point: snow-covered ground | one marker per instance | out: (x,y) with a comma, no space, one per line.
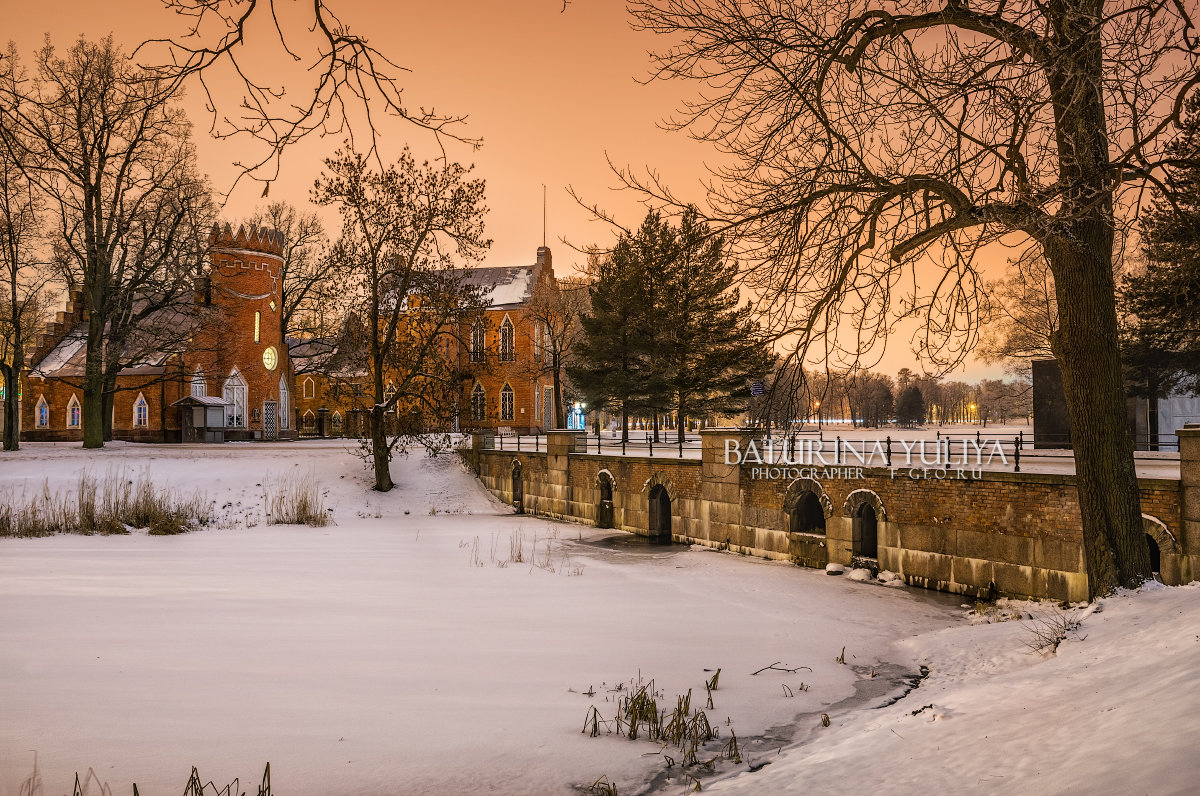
(404,651)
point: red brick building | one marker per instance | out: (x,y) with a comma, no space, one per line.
(235,352)
(504,392)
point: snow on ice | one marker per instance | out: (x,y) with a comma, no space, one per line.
(406,650)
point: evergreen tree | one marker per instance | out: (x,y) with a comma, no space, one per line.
(609,361)
(708,349)
(1161,343)
(910,406)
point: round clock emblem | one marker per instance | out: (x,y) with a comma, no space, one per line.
(270,358)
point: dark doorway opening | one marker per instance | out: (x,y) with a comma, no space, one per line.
(1155,555)
(660,513)
(604,512)
(866,532)
(518,488)
(808,516)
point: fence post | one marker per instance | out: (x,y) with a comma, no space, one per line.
(837,450)
(1016,456)
(889,450)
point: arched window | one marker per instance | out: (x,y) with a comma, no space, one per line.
(478,403)
(73,413)
(141,412)
(234,393)
(43,412)
(389,392)
(285,403)
(337,422)
(310,420)
(310,388)
(199,385)
(508,352)
(478,342)
(506,403)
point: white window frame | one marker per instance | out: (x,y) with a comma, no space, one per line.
(73,407)
(508,347)
(234,393)
(141,407)
(41,414)
(478,342)
(478,407)
(507,402)
(285,401)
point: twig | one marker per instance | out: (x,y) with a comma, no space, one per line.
(778,668)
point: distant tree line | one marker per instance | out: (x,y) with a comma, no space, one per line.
(868,399)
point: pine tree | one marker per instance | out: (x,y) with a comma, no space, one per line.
(1161,343)
(709,348)
(609,361)
(910,406)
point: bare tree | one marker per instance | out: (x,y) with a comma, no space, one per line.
(553,312)
(310,300)
(346,84)
(107,146)
(875,148)
(1023,316)
(21,271)
(400,229)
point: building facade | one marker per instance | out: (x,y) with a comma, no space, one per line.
(233,350)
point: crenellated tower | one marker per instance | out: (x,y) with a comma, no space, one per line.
(244,356)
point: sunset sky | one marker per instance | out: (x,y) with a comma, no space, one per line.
(553,95)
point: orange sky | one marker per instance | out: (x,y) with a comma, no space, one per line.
(550,93)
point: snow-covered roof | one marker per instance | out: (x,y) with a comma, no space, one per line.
(504,286)
(201,400)
(68,352)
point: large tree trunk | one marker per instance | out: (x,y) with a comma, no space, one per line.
(110,397)
(12,391)
(559,420)
(379,451)
(1080,252)
(93,384)
(1085,345)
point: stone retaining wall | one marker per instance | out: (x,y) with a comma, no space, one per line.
(1012,534)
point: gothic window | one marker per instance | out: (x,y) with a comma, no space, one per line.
(478,403)
(310,421)
(285,403)
(508,353)
(141,412)
(234,393)
(73,413)
(337,422)
(310,388)
(199,385)
(478,341)
(506,403)
(389,392)
(43,413)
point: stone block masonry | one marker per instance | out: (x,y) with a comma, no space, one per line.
(998,534)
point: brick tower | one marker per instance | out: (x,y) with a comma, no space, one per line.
(244,357)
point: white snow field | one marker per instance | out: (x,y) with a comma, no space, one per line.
(407,653)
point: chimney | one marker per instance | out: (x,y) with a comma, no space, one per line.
(543,257)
